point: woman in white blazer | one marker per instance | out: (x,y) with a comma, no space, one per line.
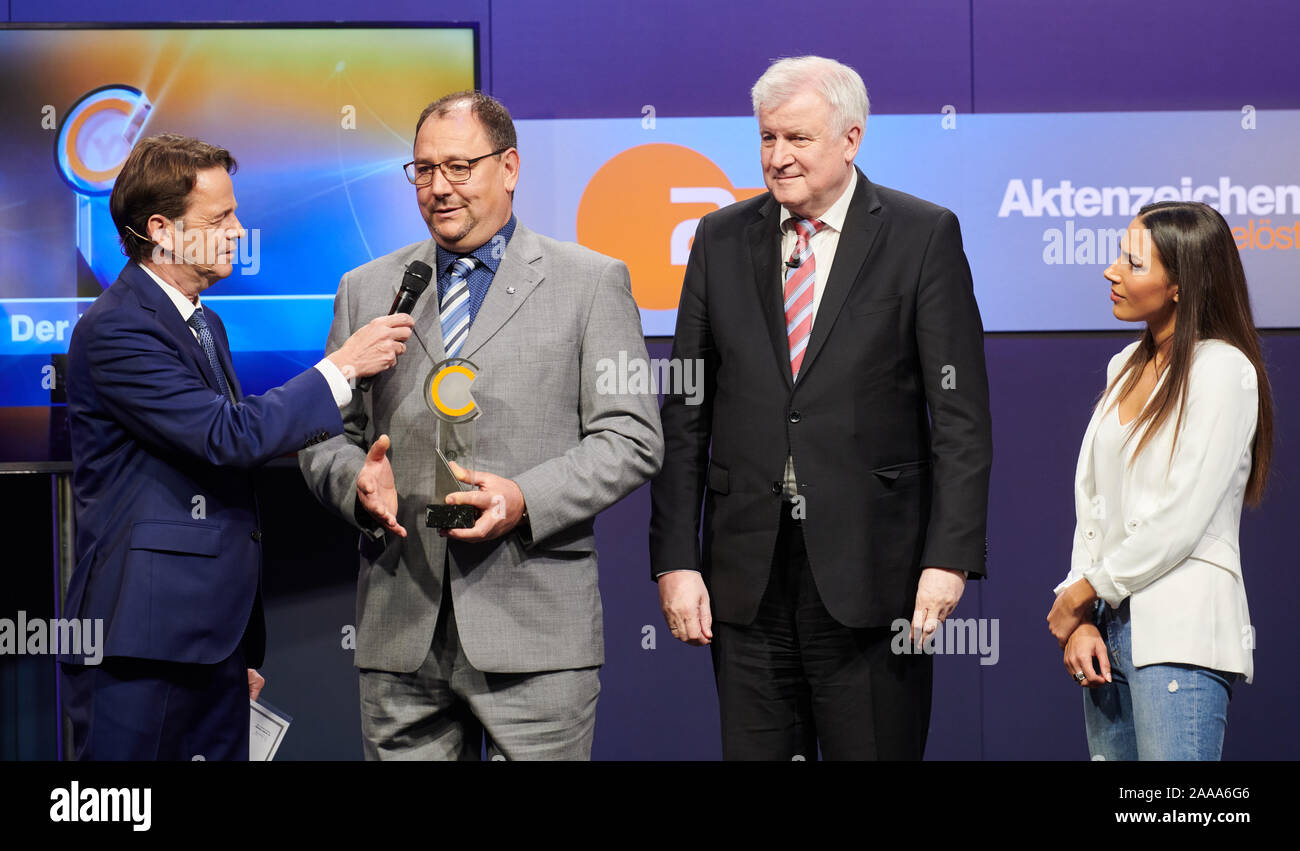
(1153,616)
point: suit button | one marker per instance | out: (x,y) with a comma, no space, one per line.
(1089,533)
(256,535)
(776,488)
(451,455)
(795,416)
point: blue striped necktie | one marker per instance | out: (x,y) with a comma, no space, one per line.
(454,309)
(199,323)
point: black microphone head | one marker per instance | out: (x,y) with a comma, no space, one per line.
(417,277)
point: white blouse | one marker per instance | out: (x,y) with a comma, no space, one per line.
(1166,536)
(1112,449)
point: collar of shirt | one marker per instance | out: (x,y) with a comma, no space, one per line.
(489,253)
(834,217)
(183,304)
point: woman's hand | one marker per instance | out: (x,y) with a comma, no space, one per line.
(1084,645)
(1070,610)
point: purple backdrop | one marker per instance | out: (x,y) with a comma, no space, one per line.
(589,59)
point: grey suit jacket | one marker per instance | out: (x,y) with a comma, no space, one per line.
(523,602)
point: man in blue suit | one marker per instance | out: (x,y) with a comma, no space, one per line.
(164,444)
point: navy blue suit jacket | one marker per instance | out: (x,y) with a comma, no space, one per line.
(168,545)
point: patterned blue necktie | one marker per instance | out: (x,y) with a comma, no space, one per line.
(200,324)
(454,310)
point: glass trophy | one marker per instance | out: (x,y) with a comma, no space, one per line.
(447,393)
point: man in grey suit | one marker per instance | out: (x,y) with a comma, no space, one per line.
(493,631)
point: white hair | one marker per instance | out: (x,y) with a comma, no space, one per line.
(840,86)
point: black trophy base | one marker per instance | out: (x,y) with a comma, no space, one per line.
(451,516)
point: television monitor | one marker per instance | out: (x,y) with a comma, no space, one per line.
(319,117)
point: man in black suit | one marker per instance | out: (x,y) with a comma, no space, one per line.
(842,447)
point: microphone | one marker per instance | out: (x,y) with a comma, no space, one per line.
(414,282)
(143,238)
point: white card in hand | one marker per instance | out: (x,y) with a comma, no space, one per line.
(266,728)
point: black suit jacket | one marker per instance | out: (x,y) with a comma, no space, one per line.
(888,423)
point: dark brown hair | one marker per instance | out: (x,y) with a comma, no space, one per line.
(1200,256)
(157,179)
(489,111)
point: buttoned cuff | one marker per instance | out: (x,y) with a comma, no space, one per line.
(1106,588)
(339,386)
(1066,583)
(677,570)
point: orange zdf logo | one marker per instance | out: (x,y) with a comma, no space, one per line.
(642,207)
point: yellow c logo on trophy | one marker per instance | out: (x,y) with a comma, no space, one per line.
(447,391)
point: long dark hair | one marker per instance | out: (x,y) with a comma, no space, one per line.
(1200,256)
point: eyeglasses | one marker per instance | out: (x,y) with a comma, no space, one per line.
(456,171)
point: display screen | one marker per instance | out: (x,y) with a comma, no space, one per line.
(1042,198)
(320,120)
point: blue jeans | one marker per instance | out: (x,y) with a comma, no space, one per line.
(1164,711)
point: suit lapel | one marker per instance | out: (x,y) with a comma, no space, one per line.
(763,235)
(428,329)
(519,271)
(153,299)
(861,225)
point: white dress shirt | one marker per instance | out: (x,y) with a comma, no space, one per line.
(1178,559)
(339,387)
(823,243)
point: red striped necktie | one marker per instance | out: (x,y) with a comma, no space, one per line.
(800,278)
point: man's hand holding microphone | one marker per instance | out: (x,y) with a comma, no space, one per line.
(375,346)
